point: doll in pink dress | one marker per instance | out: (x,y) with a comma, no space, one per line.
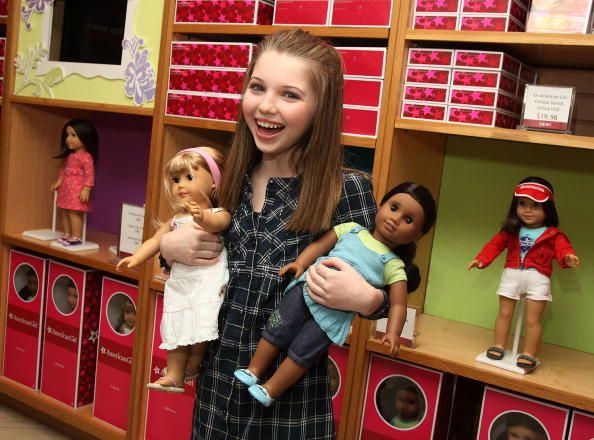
(80,145)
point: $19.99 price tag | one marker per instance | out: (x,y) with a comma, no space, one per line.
(547,108)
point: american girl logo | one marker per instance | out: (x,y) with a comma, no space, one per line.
(115,355)
(23,320)
(107,352)
(27,322)
(70,338)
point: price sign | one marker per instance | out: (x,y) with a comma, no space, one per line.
(131,229)
(548,108)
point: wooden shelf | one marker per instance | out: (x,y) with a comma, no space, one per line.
(91,106)
(243,29)
(79,418)
(101,259)
(551,50)
(3,20)
(565,376)
(532,137)
(157,283)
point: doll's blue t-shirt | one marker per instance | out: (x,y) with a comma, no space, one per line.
(528,237)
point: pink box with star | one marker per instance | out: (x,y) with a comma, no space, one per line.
(211,54)
(481,116)
(224,11)
(528,74)
(24,317)
(486,60)
(422,75)
(490,23)
(441,21)
(70,334)
(355,13)
(114,354)
(485,98)
(206,80)
(1,67)
(437,6)
(582,426)
(496,80)
(431,57)
(213,106)
(431,94)
(168,415)
(363,61)
(2,46)
(3,8)
(429,112)
(511,8)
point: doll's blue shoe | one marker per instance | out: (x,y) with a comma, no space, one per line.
(246,376)
(261,395)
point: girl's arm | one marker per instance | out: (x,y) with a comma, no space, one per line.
(147,250)
(214,222)
(396,317)
(310,254)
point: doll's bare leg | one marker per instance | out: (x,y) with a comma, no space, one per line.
(534,310)
(265,353)
(503,321)
(287,374)
(195,359)
(76,222)
(176,366)
(65,218)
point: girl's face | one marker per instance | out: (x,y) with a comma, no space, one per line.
(521,433)
(72,140)
(407,404)
(279,103)
(399,221)
(72,297)
(196,187)
(530,213)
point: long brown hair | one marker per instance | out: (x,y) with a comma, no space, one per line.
(321,158)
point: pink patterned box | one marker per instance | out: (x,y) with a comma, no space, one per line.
(437,5)
(1,67)
(420,75)
(521,89)
(202,80)
(203,54)
(70,334)
(490,23)
(430,57)
(511,7)
(2,46)
(362,91)
(527,74)
(1,87)
(217,107)
(485,60)
(432,94)
(366,13)
(24,318)
(582,426)
(485,98)
(484,79)
(3,8)
(435,21)
(360,121)
(481,116)
(114,356)
(168,415)
(414,110)
(224,11)
(363,61)
(302,12)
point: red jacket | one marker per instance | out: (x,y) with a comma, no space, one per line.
(552,243)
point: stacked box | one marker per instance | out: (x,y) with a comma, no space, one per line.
(473,87)
(70,334)
(355,13)
(224,11)
(471,15)
(206,79)
(3,8)
(2,50)
(582,426)
(363,83)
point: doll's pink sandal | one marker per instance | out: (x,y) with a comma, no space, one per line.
(171,388)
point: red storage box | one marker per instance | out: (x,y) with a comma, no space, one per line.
(224,11)
(432,94)
(481,116)
(206,80)
(430,112)
(209,54)
(486,60)
(3,8)
(360,121)
(362,91)
(70,334)
(484,79)
(437,5)
(490,23)
(582,426)
(422,75)
(24,318)
(204,106)
(435,21)
(365,13)
(485,98)
(363,61)
(430,57)
(302,12)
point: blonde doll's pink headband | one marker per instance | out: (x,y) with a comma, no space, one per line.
(212,165)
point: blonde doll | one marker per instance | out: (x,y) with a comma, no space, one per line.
(127,321)
(193,295)
(80,145)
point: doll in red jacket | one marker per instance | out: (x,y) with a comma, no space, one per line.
(532,239)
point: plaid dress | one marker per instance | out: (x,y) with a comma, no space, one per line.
(258,246)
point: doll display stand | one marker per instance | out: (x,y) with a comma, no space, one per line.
(84,246)
(46,234)
(510,358)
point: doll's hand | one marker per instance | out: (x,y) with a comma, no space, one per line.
(85,193)
(56,185)
(294,267)
(393,341)
(572,260)
(128,262)
(194,210)
(475,263)
(191,245)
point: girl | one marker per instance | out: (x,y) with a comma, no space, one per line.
(285,150)
(532,239)
(128,318)
(384,256)
(193,295)
(80,146)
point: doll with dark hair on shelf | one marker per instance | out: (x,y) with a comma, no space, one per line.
(71,297)
(532,239)
(407,404)
(521,426)
(29,290)
(79,146)
(383,256)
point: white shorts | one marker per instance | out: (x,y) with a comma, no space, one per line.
(515,282)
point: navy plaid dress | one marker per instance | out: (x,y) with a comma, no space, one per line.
(258,246)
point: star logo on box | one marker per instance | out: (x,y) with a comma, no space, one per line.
(103,350)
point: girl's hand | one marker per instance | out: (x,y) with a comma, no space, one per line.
(335,284)
(85,193)
(475,263)
(393,341)
(571,260)
(56,185)
(191,245)
(294,267)
(128,262)
(194,210)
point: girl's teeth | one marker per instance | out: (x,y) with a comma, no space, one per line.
(268,125)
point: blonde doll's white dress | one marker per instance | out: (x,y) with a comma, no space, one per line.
(192,299)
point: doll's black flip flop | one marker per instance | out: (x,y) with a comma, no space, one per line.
(529,363)
(495,353)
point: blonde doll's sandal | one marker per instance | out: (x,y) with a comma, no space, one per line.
(171,388)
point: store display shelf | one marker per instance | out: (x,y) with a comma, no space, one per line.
(101,259)
(157,282)
(90,106)
(556,50)
(532,137)
(565,376)
(242,29)
(80,418)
